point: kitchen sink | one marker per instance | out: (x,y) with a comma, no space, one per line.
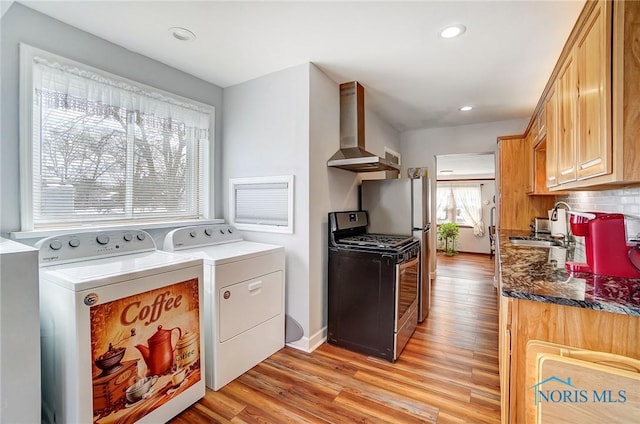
(534,242)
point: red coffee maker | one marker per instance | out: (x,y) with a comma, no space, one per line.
(605,242)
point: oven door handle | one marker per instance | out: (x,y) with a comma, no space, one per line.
(406,264)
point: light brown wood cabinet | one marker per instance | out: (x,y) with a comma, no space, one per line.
(551,150)
(504,352)
(592,102)
(515,205)
(540,169)
(593,141)
(524,320)
(541,121)
(567,87)
(593,373)
(530,165)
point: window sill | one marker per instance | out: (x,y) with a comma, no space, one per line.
(23,235)
(459,225)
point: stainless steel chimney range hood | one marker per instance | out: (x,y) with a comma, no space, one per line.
(352,155)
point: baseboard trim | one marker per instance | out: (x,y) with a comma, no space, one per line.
(309,344)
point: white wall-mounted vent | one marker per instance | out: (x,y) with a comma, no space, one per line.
(262,203)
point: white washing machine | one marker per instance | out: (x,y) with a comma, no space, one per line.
(120,326)
(244,297)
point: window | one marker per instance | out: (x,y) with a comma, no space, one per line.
(460,203)
(262,203)
(97,149)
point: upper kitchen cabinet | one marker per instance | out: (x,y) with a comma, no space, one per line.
(594,106)
(515,204)
(592,102)
(567,101)
(530,142)
(551,157)
(541,124)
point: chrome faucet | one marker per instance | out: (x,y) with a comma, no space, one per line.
(567,237)
(554,212)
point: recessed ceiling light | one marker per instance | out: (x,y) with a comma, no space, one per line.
(182,34)
(447,171)
(465,108)
(453,31)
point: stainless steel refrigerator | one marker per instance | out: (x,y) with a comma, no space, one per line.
(401,206)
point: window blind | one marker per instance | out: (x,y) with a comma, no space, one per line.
(262,203)
(108,149)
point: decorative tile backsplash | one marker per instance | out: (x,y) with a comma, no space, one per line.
(625,201)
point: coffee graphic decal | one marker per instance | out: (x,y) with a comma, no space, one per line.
(145,350)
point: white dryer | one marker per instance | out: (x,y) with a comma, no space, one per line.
(120,329)
(244,297)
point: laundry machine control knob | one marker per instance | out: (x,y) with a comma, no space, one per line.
(127,237)
(193,233)
(208,231)
(141,236)
(74,242)
(102,239)
(55,245)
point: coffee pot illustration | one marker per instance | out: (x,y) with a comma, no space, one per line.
(159,354)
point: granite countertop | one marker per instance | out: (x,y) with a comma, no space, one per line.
(539,274)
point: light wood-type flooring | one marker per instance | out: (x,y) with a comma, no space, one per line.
(448,372)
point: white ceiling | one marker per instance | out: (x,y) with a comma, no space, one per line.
(466,166)
(413,78)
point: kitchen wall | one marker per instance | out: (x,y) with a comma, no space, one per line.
(419,147)
(23,25)
(287,123)
(626,201)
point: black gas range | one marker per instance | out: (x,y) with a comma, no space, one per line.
(373,287)
(348,230)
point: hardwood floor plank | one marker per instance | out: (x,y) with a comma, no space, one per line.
(447,373)
(384,414)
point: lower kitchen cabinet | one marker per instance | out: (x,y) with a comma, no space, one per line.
(604,386)
(522,321)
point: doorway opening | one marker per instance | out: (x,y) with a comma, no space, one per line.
(465,195)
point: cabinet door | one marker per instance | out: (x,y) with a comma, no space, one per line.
(504,334)
(567,87)
(541,120)
(551,108)
(530,162)
(594,140)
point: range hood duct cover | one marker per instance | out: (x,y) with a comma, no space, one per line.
(352,155)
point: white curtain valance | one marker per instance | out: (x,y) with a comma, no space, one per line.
(102,89)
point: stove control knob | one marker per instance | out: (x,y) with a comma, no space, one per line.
(74,242)
(141,236)
(55,245)
(127,237)
(193,233)
(230,231)
(208,231)
(221,231)
(102,239)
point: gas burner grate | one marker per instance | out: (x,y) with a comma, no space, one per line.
(376,240)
